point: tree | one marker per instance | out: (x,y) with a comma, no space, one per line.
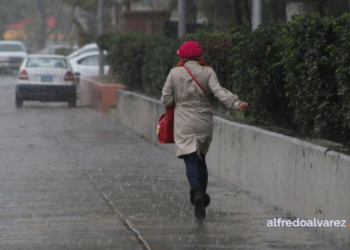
(36,13)
(41,10)
(225,14)
(85,18)
(12,12)
(42,7)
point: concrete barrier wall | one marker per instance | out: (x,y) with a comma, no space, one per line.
(99,96)
(301,178)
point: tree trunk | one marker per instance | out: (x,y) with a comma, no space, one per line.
(215,21)
(128,4)
(238,13)
(191,12)
(278,10)
(58,23)
(322,7)
(247,7)
(2,30)
(42,32)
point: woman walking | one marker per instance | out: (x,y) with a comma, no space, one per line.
(187,88)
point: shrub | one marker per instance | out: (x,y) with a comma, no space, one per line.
(295,76)
(63,51)
(310,74)
(159,58)
(106,41)
(341,55)
(259,74)
(126,55)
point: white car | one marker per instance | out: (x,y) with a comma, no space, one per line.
(45,78)
(87,64)
(92,47)
(12,54)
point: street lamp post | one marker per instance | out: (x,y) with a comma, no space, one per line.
(182,18)
(100,32)
(256,13)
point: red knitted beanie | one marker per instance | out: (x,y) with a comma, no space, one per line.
(190,50)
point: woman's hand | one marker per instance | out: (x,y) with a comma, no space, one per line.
(243,105)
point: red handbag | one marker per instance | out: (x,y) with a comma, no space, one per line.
(165,127)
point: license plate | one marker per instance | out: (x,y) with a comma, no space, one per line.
(46,78)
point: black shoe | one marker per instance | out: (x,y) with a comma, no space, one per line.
(197,199)
(199,210)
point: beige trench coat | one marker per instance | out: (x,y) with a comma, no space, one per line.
(193,124)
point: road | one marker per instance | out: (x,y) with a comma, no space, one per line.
(76,179)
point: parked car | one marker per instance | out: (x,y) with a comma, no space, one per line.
(12,54)
(92,47)
(87,64)
(45,78)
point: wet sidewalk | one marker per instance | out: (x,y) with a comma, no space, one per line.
(75,179)
(148,187)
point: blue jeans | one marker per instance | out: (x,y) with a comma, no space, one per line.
(196,171)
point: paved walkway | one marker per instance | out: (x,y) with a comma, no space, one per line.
(75,179)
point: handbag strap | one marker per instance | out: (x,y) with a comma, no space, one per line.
(195,80)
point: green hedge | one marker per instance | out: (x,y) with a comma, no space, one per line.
(159,58)
(126,56)
(295,76)
(259,75)
(311,83)
(341,54)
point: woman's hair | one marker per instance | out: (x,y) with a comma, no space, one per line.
(200,61)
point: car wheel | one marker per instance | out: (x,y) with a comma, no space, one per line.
(19,101)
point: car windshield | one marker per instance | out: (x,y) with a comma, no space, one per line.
(11,48)
(46,62)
